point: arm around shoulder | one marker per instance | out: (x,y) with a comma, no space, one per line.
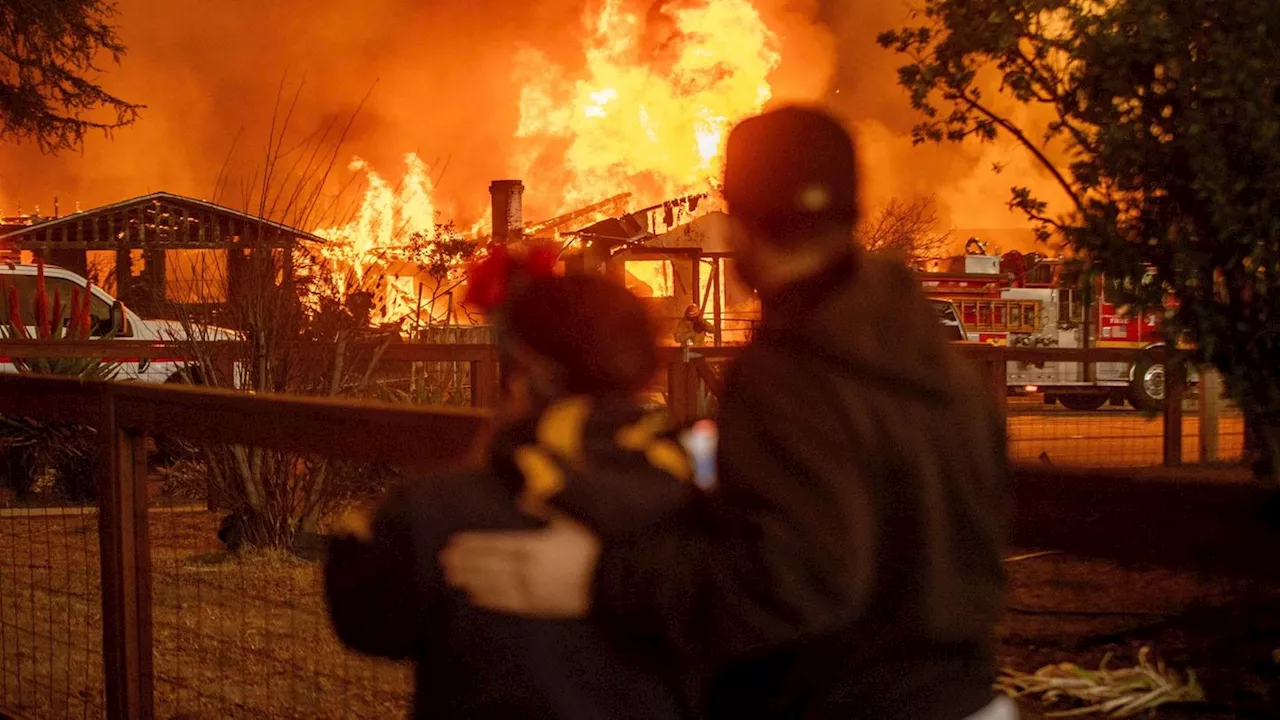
(782,550)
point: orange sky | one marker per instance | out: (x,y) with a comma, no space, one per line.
(208,69)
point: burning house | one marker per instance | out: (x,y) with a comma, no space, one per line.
(162,254)
(673,257)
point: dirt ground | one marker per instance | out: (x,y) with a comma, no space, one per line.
(1066,609)
(234,637)
(247,637)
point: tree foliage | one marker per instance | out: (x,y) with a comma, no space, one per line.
(906,228)
(49,54)
(1168,113)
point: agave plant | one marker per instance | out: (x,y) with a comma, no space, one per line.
(55,322)
(33,451)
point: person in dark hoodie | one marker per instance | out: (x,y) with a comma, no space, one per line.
(848,564)
(571,440)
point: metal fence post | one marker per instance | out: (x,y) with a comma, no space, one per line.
(126,570)
(1175,380)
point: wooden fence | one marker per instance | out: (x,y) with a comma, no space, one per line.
(1177,520)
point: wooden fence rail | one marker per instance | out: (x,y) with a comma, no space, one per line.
(1179,520)
(687,371)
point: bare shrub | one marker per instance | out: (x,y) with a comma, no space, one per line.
(907,229)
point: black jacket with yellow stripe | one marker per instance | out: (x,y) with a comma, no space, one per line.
(607,463)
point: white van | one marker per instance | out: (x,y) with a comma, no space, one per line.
(105,314)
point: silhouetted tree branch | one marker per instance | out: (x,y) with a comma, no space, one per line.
(48,55)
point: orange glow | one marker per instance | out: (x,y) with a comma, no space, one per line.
(648,115)
(651,111)
(649,278)
(388,216)
(377,251)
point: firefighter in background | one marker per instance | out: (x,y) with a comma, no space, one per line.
(692,328)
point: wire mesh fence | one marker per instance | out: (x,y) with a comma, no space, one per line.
(241,634)
(1107,432)
(1116,435)
(50,603)
(246,634)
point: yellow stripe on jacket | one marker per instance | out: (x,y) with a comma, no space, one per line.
(560,439)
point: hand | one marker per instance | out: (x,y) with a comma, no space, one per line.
(536,573)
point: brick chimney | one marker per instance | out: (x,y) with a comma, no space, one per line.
(508,215)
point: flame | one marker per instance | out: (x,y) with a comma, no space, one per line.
(388,216)
(649,278)
(386,246)
(651,112)
(649,115)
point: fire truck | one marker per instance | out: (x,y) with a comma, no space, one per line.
(1030,300)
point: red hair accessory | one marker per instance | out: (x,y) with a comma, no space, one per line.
(492,280)
(487,280)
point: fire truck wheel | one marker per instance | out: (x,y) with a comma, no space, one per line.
(1083,402)
(1146,391)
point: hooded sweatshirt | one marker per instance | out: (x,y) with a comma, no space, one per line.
(848,563)
(606,462)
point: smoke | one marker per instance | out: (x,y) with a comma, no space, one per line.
(972,180)
(209,71)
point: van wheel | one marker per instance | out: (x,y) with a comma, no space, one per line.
(1083,402)
(1146,390)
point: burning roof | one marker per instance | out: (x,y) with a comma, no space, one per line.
(161,217)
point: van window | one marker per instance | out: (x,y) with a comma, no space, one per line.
(99,310)
(947,318)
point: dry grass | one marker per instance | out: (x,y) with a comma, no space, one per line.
(1119,693)
(235,637)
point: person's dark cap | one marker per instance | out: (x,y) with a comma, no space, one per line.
(792,165)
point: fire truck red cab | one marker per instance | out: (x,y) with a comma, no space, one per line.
(1030,300)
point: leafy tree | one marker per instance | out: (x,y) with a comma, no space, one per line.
(443,256)
(49,50)
(1168,115)
(906,228)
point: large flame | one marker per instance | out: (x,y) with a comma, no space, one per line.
(381,228)
(386,247)
(648,115)
(652,109)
